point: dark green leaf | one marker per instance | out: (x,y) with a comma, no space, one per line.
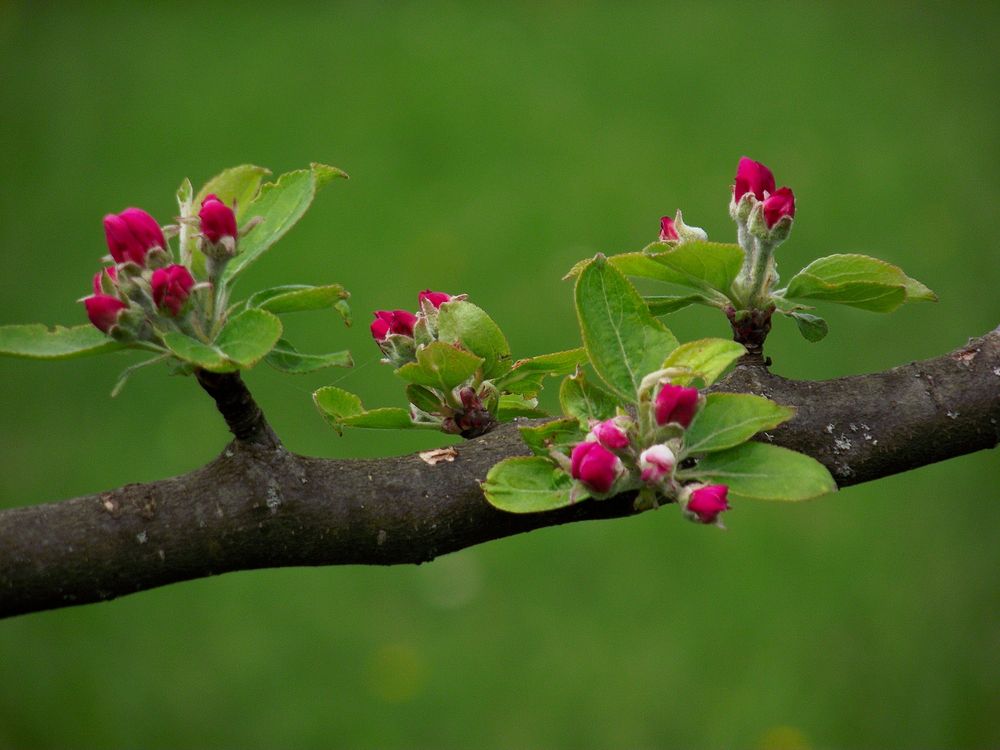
(586,401)
(529,485)
(663,304)
(728,419)
(513,405)
(197,353)
(36,341)
(858,281)
(526,375)
(440,365)
(812,327)
(423,398)
(249,336)
(464,323)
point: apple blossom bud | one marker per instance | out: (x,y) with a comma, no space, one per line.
(668,233)
(111,272)
(595,466)
(217,220)
(131,234)
(103,310)
(780,203)
(706,503)
(435,298)
(675,403)
(610,434)
(171,287)
(752,177)
(400,322)
(656,462)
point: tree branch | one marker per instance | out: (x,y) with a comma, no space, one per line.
(257,505)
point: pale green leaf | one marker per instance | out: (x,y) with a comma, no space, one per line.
(586,401)
(197,353)
(440,365)
(529,485)
(526,375)
(343,408)
(461,322)
(514,405)
(559,434)
(705,358)
(728,419)
(298,297)
(287,358)
(236,184)
(857,280)
(249,336)
(37,341)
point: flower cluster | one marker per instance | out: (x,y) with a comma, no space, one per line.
(145,293)
(630,452)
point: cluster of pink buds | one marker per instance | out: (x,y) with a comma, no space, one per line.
(758,204)
(396,331)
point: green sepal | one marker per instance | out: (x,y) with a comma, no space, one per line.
(706,359)
(440,365)
(37,341)
(728,419)
(463,323)
(530,485)
(559,434)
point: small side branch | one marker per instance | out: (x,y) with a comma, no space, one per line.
(236,404)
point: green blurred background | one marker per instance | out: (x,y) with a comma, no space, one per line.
(490,147)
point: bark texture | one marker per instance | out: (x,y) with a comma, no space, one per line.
(258,505)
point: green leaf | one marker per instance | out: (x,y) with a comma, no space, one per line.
(585,401)
(663,304)
(239,184)
(249,336)
(728,419)
(526,375)
(298,297)
(758,471)
(513,405)
(464,323)
(280,204)
(423,398)
(812,327)
(706,358)
(36,341)
(529,485)
(197,353)
(623,340)
(385,418)
(859,281)
(560,434)
(440,365)
(343,408)
(287,358)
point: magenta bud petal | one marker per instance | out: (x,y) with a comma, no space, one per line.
(656,462)
(131,234)
(752,177)
(379,329)
(112,273)
(675,403)
(595,466)
(780,203)
(435,298)
(103,310)
(706,503)
(217,220)
(400,322)
(610,434)
(171,287)
(668,233)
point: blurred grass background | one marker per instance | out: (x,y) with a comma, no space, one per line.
(490,147)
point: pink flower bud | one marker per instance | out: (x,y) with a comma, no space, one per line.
(752,177)
(171,288)
(435,298)
(400,322)
(706,503)
(667,231)
(778,204)
(610,434)
(675,403)
(656,462)
(595,466)
(103,310)
(112,273)
(217,220)
(131,234)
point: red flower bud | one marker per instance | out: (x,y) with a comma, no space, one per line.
(131,234)
(667,231)
(111,271)
(706,503)
(609,434)
(103,310)
(752,177)
(675,403)
(778,204)
(400,322)
(217,220)
(171,288)
(435,298)
(595,466)
(656,462)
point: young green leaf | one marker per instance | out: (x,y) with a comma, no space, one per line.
(526,375)
(561,434)
(343,408)
(514,405)
(812,327)
(758,471)
(864,295)
(440,365)
(529,485)
(280,204)
(298,297)
(586,401)
(623,340)
(705,358)
(197,353)
(239,184)
(36,341)
(464,323)
(663,304)
(128,372)
(859,281)
(728,419)
(423,398)
(249,336)
(287,358)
